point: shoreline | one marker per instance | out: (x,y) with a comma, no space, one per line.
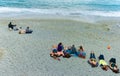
(80,17)
(105,21)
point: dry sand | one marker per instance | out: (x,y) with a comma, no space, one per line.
(28,54)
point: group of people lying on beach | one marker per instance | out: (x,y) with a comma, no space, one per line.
(103,64)
(71,51)
(21,31)
(66,52)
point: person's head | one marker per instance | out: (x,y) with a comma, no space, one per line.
(60,43)
(105,67)
(81,48)
(73,45)
(116,70)
(27,27)
(19,32)
(20,27)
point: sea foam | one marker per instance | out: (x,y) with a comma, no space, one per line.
(59,12)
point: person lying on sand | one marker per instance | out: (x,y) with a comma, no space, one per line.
(21,31)
(113,66)
(58,54)
(28,30)
(103,63)
(54,54)
(92,61)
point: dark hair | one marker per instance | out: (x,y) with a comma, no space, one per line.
(116,71)
(105,67)
(60,43)
(20,27)
(27,27)
(81,48)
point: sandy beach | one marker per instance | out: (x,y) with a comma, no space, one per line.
(28,54)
